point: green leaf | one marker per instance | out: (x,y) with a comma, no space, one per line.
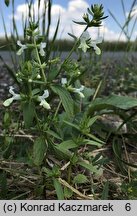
(112,102)
(66,99)
(97,141)
(69,144)
(65,146)
(80,23)
(92,121)
(90,12)
(80,179)
(9,141)
(73,36)
(35,91)
(53,73)
(88,92)
(55,135)
(68,193)
(39,149)
(7,119)
(28,113)
(89,167)
(105,191)
(62,152)
(7,2)
(95,138)
(58,188)
(72,125)
(39,82)
(92,142)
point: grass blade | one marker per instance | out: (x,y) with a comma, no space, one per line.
(44,18)
(53,40)
(15,30)
(49,20)
(105,191)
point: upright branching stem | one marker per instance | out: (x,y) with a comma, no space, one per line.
(71,51)
(57,110)
(39,61)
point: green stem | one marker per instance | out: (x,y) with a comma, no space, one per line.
(37,120)
(29,89)
(73,48)
(39,61)
(97,90)
(57,110)
(71,51)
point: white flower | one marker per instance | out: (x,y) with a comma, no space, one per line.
(42,100)
(86,42)
(23,47)
(14,97)
(75,90)
(38,76)
(30,80)
(79,91)
(42,46)
(63,81)
(93,43)
(83,41)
